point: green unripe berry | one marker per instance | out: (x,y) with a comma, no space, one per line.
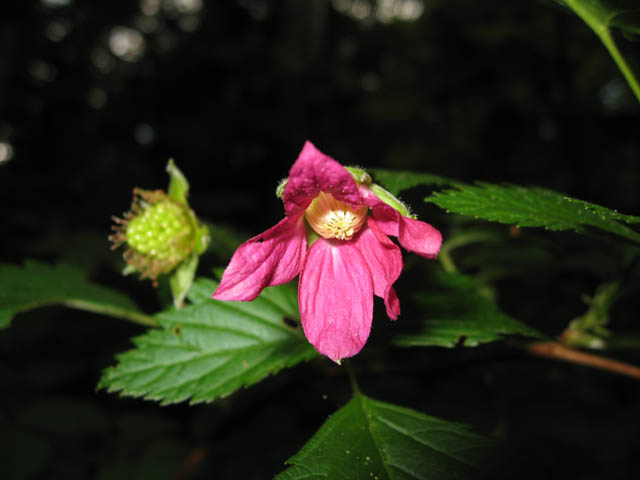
(163,230)
(160,233)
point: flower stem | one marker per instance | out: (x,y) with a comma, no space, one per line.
(601,28)
(135,317)
(352,376)
(608,42)
(458,241)
(560,352)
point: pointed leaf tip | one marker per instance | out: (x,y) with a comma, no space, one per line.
(371,439)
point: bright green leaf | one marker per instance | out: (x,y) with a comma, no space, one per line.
(533,207)
(397,181)
(458,313)
(212,348)
(603,15)
(371,439)
(36,285)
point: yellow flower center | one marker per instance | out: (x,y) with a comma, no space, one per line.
(331,218)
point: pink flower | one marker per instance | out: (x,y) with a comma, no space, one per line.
(350,258)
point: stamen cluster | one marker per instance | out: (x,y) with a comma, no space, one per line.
(331,218)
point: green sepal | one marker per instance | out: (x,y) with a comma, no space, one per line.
(390,200)
(589,330)
(178,184)
(182,278)
(360,175)
(280,188)
(128,270)
(202,239)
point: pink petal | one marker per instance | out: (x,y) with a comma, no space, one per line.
(414,235)
(386,217)
(384,260)
(419,237)
(336,298)
(314,172)
(271,258)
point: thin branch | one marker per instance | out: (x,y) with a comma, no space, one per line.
(622,64)
(352,376)
(112,311)
(558,351)
(192,462)
(459,241)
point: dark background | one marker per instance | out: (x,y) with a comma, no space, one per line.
(96,96)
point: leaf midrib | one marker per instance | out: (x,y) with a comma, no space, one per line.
(373,437)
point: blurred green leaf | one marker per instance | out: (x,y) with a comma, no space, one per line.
(458,313)
(225,239)
(201,290)
(533,207)
(212,348)
(603,15)
(371,439)
(397,181)
(36,285)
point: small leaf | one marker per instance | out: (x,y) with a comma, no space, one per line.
(36,285)
(458,314)
(371,439)
(211,348)
(178,184)
(397,181)
(533,207)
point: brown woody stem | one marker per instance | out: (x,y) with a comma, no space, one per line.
(560,352)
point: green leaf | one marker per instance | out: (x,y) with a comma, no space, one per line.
(397,181)
(459,314)
(201,290)
(212,348)
(369,439)
(603,15)
(533,207)
(36,285)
